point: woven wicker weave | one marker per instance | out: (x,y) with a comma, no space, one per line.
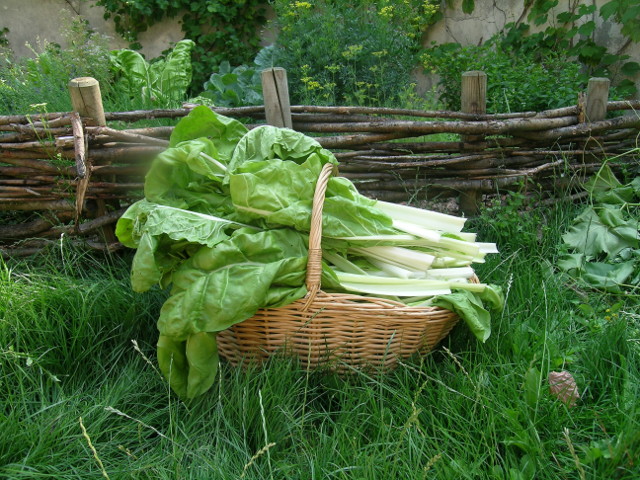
(324,327)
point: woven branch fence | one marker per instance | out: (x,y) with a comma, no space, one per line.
(75,173)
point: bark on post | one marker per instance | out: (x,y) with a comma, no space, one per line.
(275,90)
(473,99)
(87,100)
(597,98)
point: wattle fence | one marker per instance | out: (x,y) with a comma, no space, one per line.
(75,173)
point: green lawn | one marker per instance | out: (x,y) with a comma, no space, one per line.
(470,410)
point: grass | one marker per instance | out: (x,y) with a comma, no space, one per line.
(79,400)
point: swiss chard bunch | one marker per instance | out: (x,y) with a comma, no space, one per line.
(225,224)
(603,242)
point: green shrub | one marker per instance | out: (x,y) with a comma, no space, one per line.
(221,29)
(515,82)
(359,53)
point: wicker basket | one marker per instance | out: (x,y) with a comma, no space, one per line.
(335,329)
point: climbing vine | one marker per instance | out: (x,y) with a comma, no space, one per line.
(222,29)
(572,30)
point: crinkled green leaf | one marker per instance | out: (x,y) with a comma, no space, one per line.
(186,177)
(172,75)
(282,192)
(162,81)
(129,228)
(190,365)
(601,230)
(164,236)
(134,70)
(172,360)
(223,131)
(267,143)
(145,268)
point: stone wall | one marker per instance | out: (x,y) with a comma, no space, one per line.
(34,21)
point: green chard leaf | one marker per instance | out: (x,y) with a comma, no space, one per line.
(221,286)
(602,230)
(282,192)
(223,131)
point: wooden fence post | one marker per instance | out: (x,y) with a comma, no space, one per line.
(473,99)
(597,98)
(87,100)
(275,91)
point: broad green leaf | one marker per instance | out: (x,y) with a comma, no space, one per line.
(223,131)
(607,276)
(145,270)
(202,358)
(602,182)
(164,237)
(162,81)
(572,262)
(218,287)
(609,9)
(587,28)
(134,70)
(630,68)
(188,176)
(171,76)
(470,309)
(282,192)
(601,231)
(268,143)
(172,360)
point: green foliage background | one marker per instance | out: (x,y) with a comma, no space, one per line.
(222,29)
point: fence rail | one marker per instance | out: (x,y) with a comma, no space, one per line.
(86,166)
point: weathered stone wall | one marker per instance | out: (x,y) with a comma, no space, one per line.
(490,16)
(33,21)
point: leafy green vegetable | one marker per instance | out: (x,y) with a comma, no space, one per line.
(603,242)
(602,230)
(191,365)
(188,176)
(164,237)
(471,309)
(225,223)
(163,81)
(234,87)
(218,287)
(202,122)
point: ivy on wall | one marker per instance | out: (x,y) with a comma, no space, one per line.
(571,29)
(222,29)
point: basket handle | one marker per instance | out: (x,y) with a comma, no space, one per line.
(314,263)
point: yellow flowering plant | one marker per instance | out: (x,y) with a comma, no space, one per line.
(345,52)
